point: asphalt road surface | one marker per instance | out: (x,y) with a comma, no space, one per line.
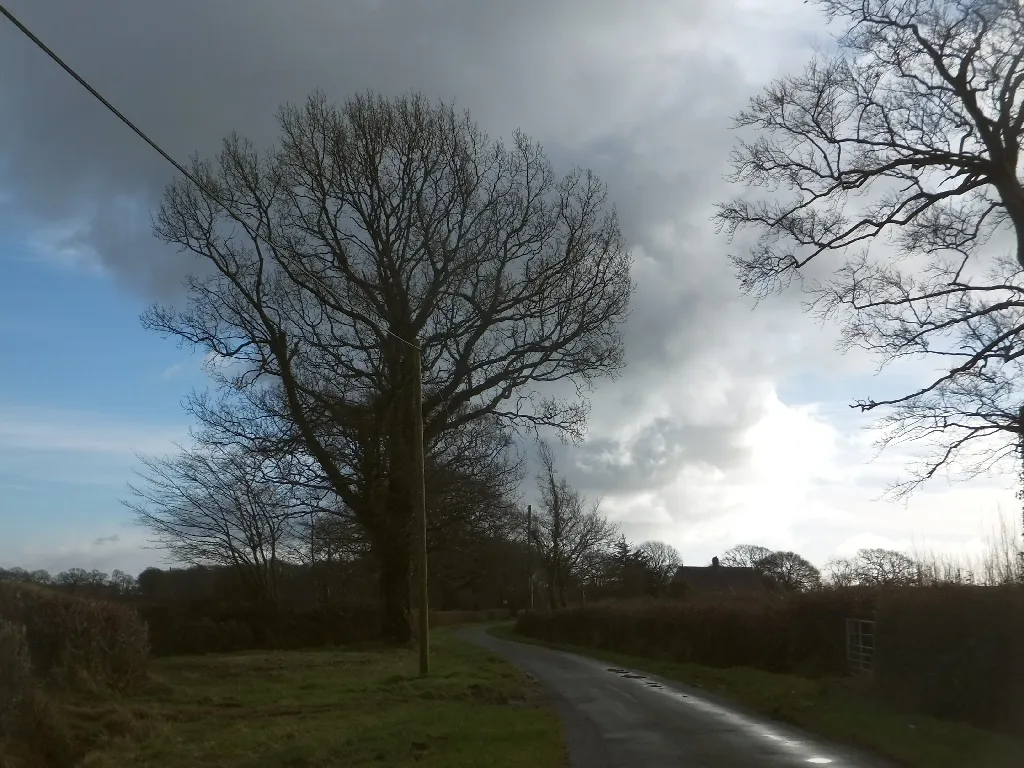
(617,718)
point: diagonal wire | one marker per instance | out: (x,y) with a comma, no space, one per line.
(156,147)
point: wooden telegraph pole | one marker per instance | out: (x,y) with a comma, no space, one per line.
(421,506)
(529,550)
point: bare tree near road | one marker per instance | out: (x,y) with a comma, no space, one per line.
(568,532)
(901,153)
(382,222)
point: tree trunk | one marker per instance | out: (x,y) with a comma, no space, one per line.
(393,544)
(552,596)
(395,561)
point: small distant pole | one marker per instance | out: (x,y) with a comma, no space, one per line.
(529,550)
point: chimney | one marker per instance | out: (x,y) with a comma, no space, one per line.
(714,562)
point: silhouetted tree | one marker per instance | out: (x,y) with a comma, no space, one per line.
(885,567)
(567,532)
(225,507)
(662,561)
(903,149)
(841,572)
(388,220)
(81,581)
(744,555)
(790,571)
(627,570)
(122,583)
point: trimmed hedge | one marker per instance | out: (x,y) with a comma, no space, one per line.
(954,652)
(798,633)
(76,639)
(181,629)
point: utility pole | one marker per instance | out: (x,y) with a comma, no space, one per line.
(529,550)
(421,505)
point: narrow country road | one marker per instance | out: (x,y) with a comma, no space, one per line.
(616,718)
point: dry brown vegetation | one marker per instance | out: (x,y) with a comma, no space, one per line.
(52,644)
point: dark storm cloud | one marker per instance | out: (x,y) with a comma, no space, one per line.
(639,92)
(190,72)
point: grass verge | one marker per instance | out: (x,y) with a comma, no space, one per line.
(325,708)
(838,709)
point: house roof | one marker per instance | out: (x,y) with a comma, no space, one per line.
(721,578)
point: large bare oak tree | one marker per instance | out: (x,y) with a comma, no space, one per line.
(380,223)
(901,153)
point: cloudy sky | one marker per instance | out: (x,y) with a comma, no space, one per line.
(731,424)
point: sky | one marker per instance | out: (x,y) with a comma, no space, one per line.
(730,424)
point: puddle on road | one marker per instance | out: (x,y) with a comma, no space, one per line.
(626,674)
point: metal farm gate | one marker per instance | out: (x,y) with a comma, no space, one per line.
(860,646)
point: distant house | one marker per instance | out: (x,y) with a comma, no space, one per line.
(721,579)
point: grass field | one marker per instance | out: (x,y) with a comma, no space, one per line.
(325,708)
(837,709)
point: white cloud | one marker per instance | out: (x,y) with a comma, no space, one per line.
(172,371)
(808,483)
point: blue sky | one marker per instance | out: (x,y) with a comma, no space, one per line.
(85,387)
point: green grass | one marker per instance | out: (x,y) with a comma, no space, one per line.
(838,709)
(325,708)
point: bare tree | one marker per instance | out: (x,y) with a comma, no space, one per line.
(123,583)
(790,571)
(841,572)
(662,561)
(567,532)
(384,222)
(81,581)
(886,568)
(209,506)
(745,555)
(906,141)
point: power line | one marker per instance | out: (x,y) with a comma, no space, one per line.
(81,81)
(142,135)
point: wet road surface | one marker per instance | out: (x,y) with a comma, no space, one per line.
(618,718)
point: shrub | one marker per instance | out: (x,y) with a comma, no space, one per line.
(31,729)
(955,652)
(77,639)
(15,678)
